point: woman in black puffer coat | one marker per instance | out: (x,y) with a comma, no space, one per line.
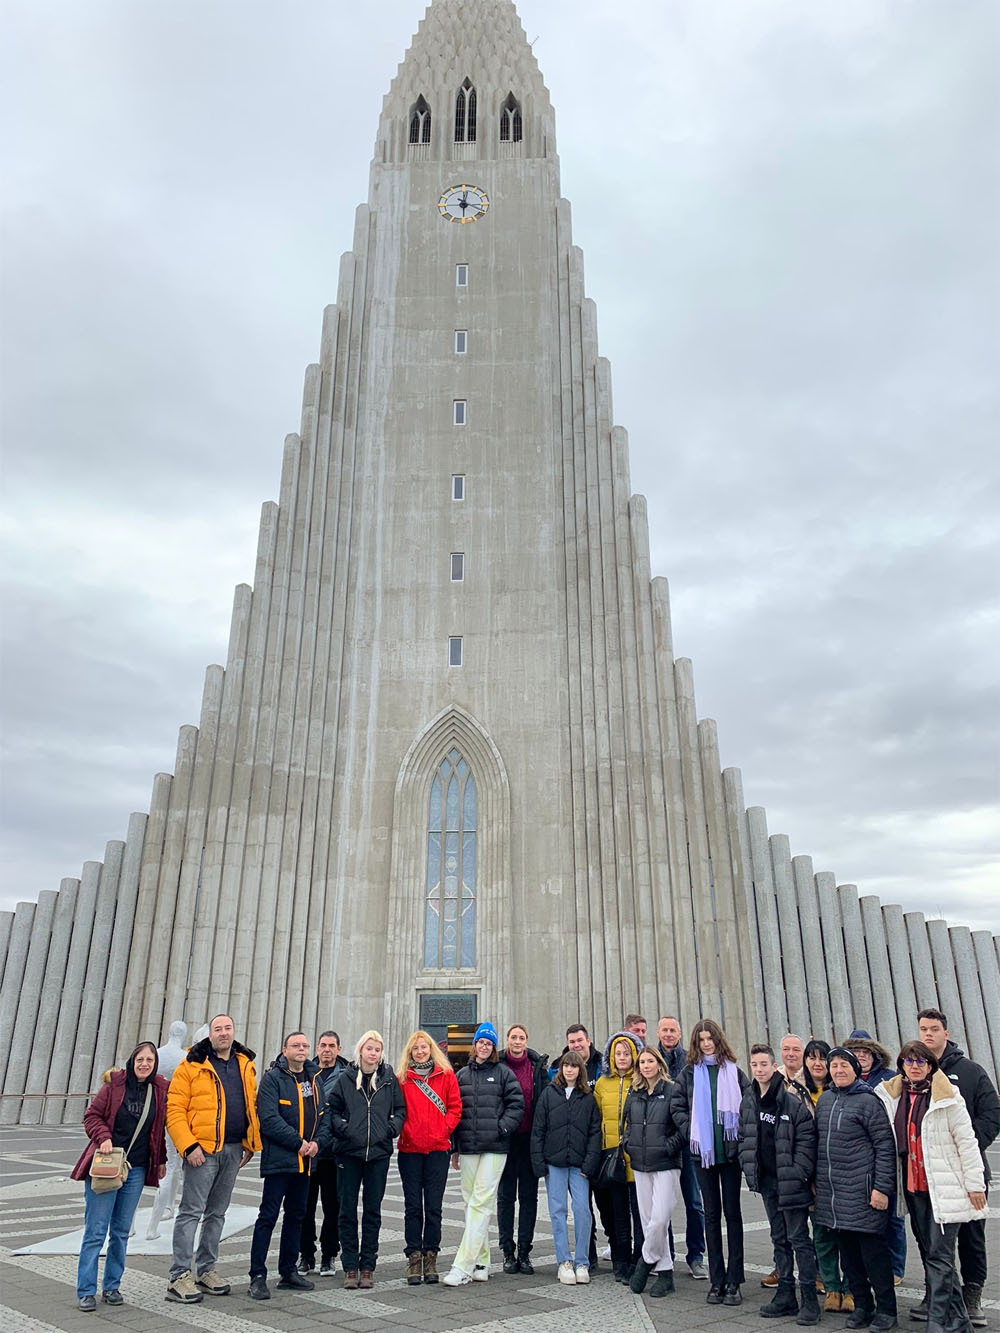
(855,1174)
(566,1150)
(654,1142)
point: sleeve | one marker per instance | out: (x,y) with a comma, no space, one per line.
(453,1103)
(884,1145)
(674,1137)
(985,1111)
(747,1145)
(273,1124)
(593,1159)
(333,1119)
(95,1118)
(397,1116)
(626,1124)
(681,1106)
(964,1137)
(804,1154)
(512,1103)
(539,1127)
(179,1110)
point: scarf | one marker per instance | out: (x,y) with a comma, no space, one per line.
(914,1099)
(423,1067)
(727,1109)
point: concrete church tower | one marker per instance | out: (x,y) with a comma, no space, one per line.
(451,770)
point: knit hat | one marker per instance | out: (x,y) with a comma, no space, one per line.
(486,1031)
(842,1053)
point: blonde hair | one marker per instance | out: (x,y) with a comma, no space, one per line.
(437,1055)
(639,1081)
(370,1035)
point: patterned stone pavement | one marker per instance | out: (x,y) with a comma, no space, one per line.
(37,1292)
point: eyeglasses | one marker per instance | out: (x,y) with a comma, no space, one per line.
(914,1060)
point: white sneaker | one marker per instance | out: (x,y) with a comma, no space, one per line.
(456,1278)
(583,1273)
(605,1253)
(481,1273)
(566,1275)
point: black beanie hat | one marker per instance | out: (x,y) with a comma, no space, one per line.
(842,1053)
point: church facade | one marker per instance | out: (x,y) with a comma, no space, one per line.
(451,769)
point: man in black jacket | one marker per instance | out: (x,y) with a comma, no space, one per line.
(330,1064)
(288,1113)
(983,1105)
(778,1157)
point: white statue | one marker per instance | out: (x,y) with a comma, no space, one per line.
(170,1057)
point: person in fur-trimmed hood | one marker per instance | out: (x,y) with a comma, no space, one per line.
(617,1201)
(940,1172)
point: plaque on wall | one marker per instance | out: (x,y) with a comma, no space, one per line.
(439,1008)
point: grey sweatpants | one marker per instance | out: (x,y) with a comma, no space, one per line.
(205,1197)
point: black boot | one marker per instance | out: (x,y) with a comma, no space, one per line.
(972,1294)
(664,1284)
(509,1262)
(782,1303)
(640,1276)
(524,1264)
(809,1304)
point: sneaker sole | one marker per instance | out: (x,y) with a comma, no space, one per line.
(183,1300)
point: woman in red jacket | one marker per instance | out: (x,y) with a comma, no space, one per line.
(433,1109)
(129,1111)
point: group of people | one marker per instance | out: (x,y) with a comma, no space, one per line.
(835,1140)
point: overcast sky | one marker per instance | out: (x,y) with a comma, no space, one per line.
(789,215)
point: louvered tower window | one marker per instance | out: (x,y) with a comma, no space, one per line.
(420,122)
(510,120)
(465,114)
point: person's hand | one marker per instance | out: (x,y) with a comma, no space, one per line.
(879,1200)
(309,1149)
(196,1156)
(977,1199)
(454,1161)
(247,1156)
(105,1145)
(163,1172)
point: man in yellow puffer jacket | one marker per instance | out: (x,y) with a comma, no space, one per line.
(212,1119)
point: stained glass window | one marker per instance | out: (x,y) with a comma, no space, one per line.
(450,912)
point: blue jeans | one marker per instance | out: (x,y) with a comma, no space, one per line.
(695,1238)
(112,1211)
(559,1180)
(895,1234)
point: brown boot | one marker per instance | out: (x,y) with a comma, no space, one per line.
(832,1303)
(366,1281)
(771,1280)
(430,1266)
(350,1279)
(414,1268)
(847,1303)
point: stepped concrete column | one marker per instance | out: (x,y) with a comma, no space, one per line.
(13,977)
(834,955)
(989,980)
(767,920)
(817,986)
(973,1008)
(108,1044)
(746,907)
(886,1026)
(23,1040)
(728,941)
(82,1066)
(949,997)
(64,1040)
(862,1004)
(901,970)
(6,925)
(50,996)
(134,999)
(792,960)
(922,964)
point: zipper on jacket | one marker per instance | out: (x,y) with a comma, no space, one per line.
(302,1123)
(829,1171)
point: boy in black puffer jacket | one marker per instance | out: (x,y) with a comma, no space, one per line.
(778,1157)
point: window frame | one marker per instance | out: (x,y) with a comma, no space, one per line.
(458,556)
(458,486)
(461,275)
(462,334)
(455,650)
(460,411)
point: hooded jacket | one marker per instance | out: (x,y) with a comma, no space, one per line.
(794,1142)
(611,1090)
(652,1137)
(979,1095)
(952,1159)
(287,1118)
(855,1154)
(492,1107)
(566,1131)
(99,1122)
(356,1122)
(427,1129)
(881,1069)
(196,1103)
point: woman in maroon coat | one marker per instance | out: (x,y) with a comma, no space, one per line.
(117,1118)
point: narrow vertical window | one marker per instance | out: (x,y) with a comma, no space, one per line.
(458,486)
(454,651)
(450,893)
(457,567)
(465,114)
(420,122)
(458,407)
(461,275)
(461,341)
(510,120)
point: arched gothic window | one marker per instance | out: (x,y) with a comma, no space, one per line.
(510,120)
(420,122)
(465,114)
(450,902)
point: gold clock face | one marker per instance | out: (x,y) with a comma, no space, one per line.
(463,203)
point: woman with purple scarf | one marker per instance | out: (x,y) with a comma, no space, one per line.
(707,1108)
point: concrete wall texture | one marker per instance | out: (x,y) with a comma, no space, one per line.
(294,870)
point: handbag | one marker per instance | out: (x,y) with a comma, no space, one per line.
(612,1169)
(109,1170)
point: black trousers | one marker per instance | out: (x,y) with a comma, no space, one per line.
(945,1305)
(790,1238)
(322,1185)
(867,1265)
(618,1205)
(972,1251)
(353,1176)
(518,1181)
(289,1188)
(720,1196)
(424,1176)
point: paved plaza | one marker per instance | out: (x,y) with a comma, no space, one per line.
(38,1202)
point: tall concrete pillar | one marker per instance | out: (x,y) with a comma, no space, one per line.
(949,999)
(989,980)
(791,937)
(50,996)
(886,1025)
(730,943)
(13,978)
(817,986)
(23,1040)
(922,964)
(64,1040)
(862,1004)
(767,920)
(134,999)
(107,1044)
(901,968)
(973,1008)
(834,956)
(698,858)
(6,925)
(82,1064)
(746,906)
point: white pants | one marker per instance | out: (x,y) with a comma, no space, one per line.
(657,1193)
(481,1174)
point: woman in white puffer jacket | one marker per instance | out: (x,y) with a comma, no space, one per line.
(940,1174)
